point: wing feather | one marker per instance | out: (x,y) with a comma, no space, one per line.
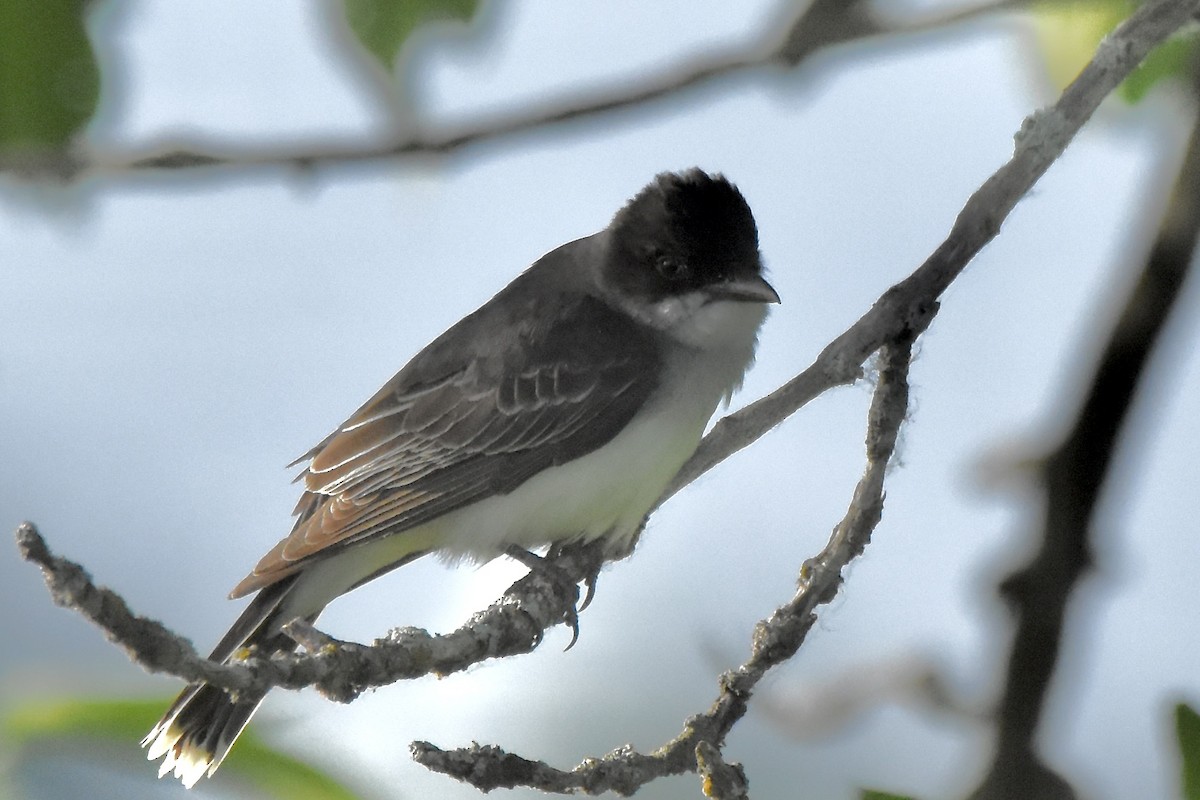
(489,418)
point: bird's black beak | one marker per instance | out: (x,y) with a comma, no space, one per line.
(745,290)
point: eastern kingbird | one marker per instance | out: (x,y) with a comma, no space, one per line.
(560,410)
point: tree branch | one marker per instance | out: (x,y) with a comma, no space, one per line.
(1074,476)
(341,671)
(719,779)
(516,622)
(776,639)
(910,305)
(821,25)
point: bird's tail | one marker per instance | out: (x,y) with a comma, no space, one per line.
(196,732)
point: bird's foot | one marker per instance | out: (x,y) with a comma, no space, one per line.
(562,580)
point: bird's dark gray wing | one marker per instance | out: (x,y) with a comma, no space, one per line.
(552,384)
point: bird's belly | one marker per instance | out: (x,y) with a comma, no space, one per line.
(604,493)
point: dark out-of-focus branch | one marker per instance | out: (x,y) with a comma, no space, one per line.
(776,639)
(1074,475)
(821,25)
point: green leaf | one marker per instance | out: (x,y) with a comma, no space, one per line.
(105,719)
(1187,729)
(280,775)
(1173,58)
(1068,32)
(68,722)
(383,26)
(873,794)
(49,80)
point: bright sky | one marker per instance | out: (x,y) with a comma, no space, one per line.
(167,345)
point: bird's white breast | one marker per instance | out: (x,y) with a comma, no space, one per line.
(608,491)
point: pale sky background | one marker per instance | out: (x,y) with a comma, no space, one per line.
(168,343)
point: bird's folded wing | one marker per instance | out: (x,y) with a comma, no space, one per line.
(415,452)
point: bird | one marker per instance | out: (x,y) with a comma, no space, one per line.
(558,411)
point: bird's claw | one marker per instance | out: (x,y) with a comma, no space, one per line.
(540,565)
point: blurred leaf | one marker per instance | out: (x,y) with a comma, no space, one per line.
(382,26)
(871,794)
(1172,58)
(1187,729)
(1068,32)
(105,719)
(273,773)
(49,80)
(281,775)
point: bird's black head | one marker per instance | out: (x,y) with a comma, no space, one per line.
(686,232)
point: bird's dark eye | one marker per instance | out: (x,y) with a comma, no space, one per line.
(670,268)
